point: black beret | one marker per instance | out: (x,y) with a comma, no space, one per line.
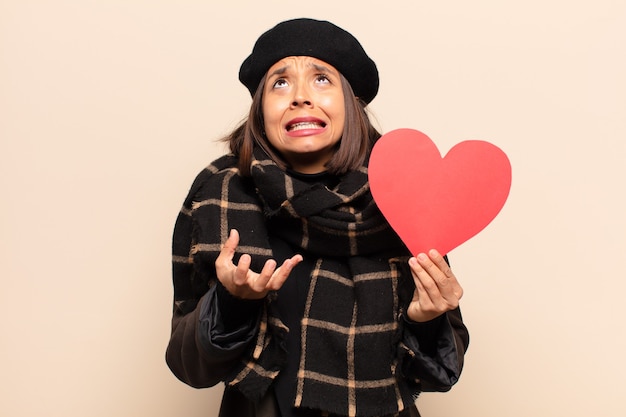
(318,39)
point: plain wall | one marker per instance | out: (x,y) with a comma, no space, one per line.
(108,109)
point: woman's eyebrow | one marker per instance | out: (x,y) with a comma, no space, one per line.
(317,67)
(279,71)
(322,68)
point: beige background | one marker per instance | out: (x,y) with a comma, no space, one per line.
(108,109)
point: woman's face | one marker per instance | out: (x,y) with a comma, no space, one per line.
(303,111)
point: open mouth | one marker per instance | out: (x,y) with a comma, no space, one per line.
(305,125)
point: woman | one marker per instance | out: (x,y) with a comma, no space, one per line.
(350,323)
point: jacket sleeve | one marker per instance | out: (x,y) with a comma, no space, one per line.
(210,330)
(203,347)
(435,351)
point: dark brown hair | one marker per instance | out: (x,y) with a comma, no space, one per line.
(357,138)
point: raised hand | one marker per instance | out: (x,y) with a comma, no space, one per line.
(436,288)
(243,282)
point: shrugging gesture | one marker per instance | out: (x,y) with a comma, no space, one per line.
(241,281)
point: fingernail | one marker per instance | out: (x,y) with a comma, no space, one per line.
(422,257)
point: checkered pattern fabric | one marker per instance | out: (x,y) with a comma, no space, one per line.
(350,330)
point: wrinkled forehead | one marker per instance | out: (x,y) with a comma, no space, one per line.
(300,63)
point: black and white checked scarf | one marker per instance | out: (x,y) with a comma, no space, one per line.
(350,340)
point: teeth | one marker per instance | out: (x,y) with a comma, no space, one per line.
(304,125)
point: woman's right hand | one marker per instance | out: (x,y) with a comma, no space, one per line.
(243,282)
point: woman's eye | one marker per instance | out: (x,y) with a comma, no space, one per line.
(280,83)
(322,78)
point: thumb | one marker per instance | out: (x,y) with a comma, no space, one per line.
(228,250)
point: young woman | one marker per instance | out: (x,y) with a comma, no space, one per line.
(289,285)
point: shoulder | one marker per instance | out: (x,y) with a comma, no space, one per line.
(219,167)
(212,175)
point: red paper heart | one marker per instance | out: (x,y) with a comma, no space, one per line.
(435,202)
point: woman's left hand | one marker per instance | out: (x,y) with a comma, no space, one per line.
(436,288)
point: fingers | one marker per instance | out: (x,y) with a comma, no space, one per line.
(256,286)
(231,244)
(281,274)
(435,266)
(243,282)
(261,280)
(224,261)
(241,270)
(435,275)
(436,287)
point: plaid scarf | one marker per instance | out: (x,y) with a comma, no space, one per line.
(350,334)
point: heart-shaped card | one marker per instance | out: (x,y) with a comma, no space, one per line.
(433,202)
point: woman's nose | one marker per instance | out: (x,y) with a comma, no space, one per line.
(297,102)
(301,97)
